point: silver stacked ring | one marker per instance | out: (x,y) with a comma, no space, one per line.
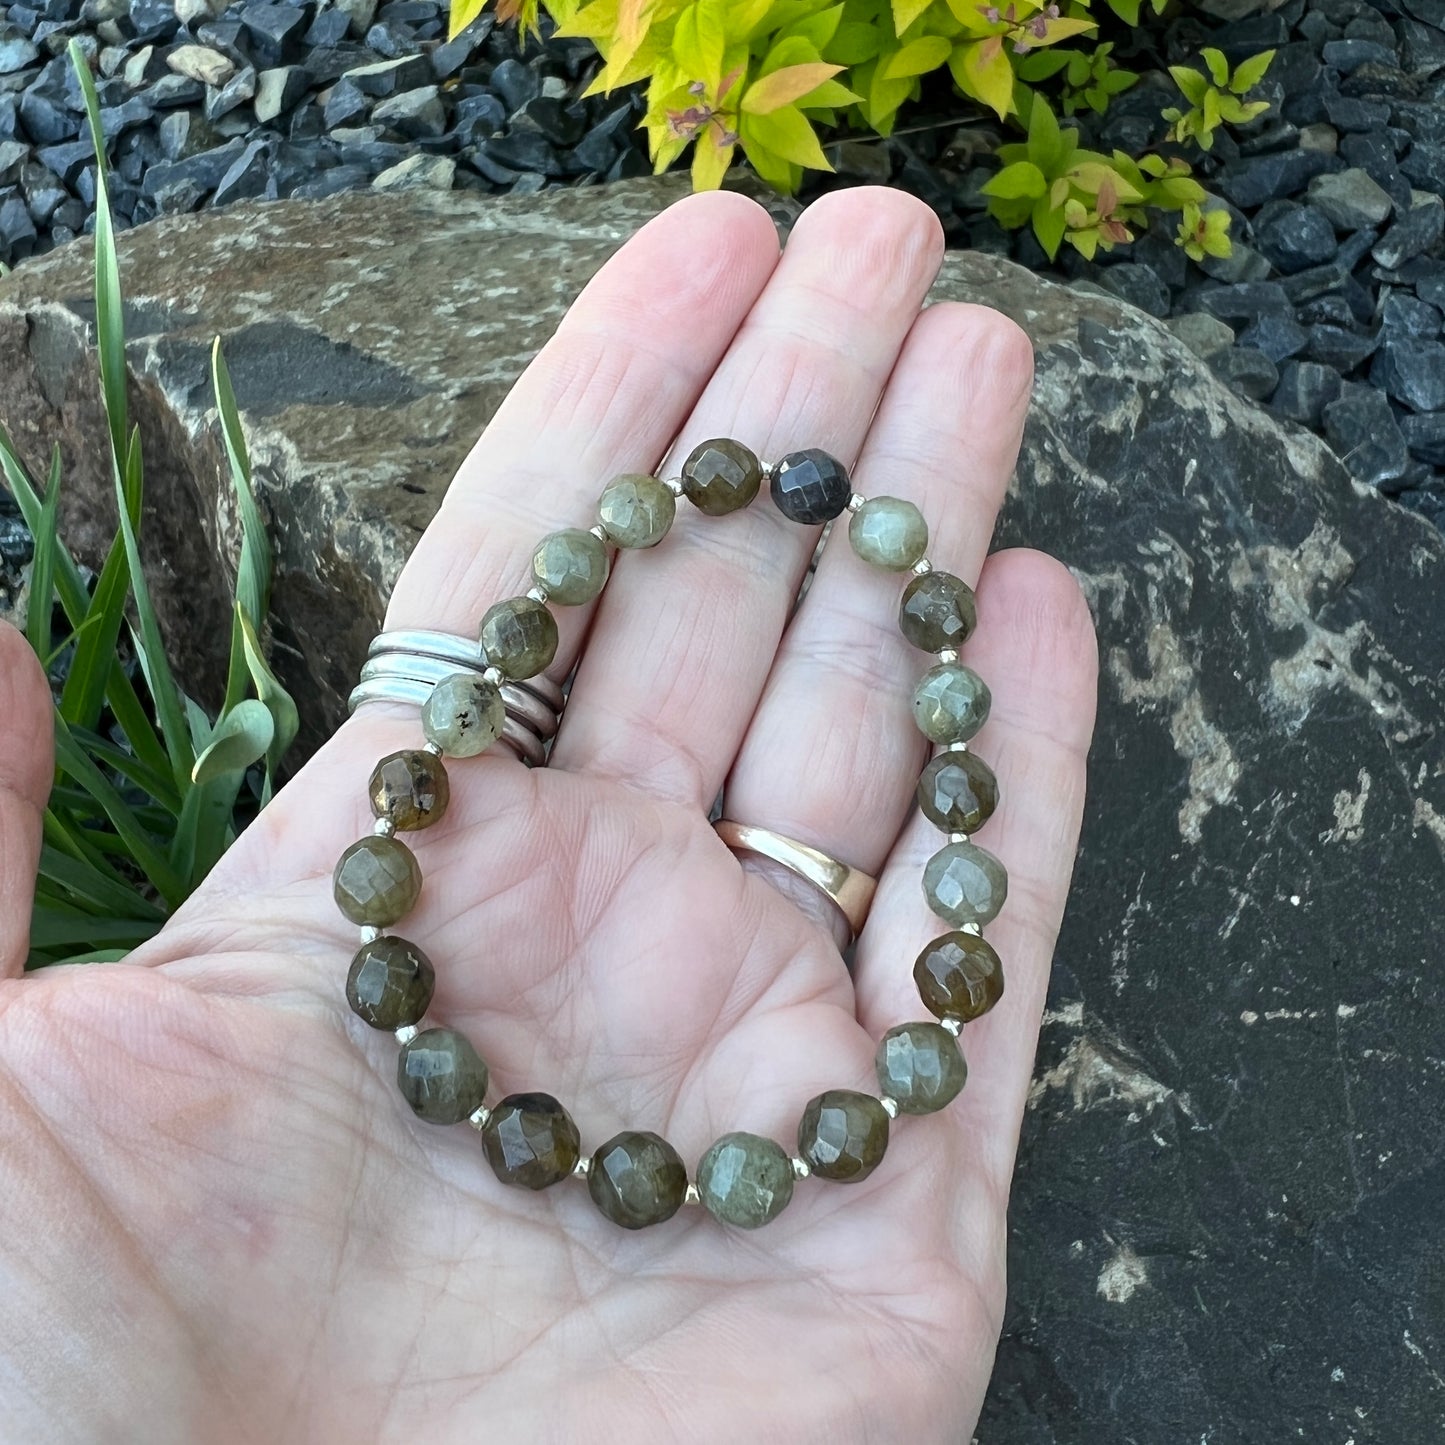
(403,666)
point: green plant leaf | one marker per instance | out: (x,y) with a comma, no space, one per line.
(785,133)
(1191,82)
(1048,225)
(463,12)
(1126,10)
(785,87)
(42,565)
(52,928)
(97,889)
(1218,65)
(981,69)
(242,737)
(1021,179)
(905,12)
(1045,142)
(918,57)
(1250,72)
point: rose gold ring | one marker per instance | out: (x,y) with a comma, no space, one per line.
(850,889)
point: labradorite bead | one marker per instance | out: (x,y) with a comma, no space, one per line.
(745,1180)
(463,716)
(721,476)
(937,612)
(810,486)
(888,532)
(842,1135)
(636,510)
(390,983)
(959,976)
(441,1076)
(530,1141)
(958,792)
(950,703)
(920,1067)
(410,789)
(376,881)
(519,637)
(637,1179)
(964,883)
(571,565)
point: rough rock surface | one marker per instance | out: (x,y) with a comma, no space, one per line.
(1225,1224)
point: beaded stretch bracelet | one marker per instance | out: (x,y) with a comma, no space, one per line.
(637,1178)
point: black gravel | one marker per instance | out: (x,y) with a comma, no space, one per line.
(1331,311)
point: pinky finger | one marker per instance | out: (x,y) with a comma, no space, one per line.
(1035,648)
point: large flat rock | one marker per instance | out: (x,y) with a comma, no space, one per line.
(1226,1224)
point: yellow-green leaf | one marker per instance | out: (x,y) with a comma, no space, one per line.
(463,13)
(831,93)
(783,87)
(918,57)
(1058,30)
(905,12)
(786,133)
(710,161)
(982,70)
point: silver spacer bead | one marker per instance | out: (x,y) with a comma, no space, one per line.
(599,531)
(958,837)
(493,675)
(890,1105)
(370,933)
(922,567)
(537,592)
(856,501)
(406,1033)
(945,654)
(692,1196)
(435,749)
(383,828)
(800,1168)
(478,1117)
(674,485)
(974,928)
(956,748)
(583,1167)
(953,1024)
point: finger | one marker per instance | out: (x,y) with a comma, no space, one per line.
(605,395)
(27,765)
(686,634)
(1035,648)
(945,438)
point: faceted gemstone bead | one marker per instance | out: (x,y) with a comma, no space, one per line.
(571,565)
(721,476)
(920,1067)
(965,884)
(376,881)
(958,792)
(410,789)
(745,1180)
(463,716)
(888,532)
(530,1141)
(950,703)
(441,1076)
(636,510)
(937,612)
(637,1179)
(519,637)
(842,1135)
(959,976)
(390,983)
(810,486)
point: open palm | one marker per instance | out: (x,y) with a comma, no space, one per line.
(219,1222)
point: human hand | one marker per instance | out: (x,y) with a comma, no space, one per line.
(218,1220)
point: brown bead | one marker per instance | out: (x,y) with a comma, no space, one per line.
(519,637)
(959,976)
(530,1141)
(637,1179)
(376,881)
(390,983)
(721,476)
(410,789)
(843,1135)
(937,612)
(958,792)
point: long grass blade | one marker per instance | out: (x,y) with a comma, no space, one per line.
(55,928)
(42,564)
(93,889)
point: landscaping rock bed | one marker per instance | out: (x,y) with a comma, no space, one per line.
(1329,311)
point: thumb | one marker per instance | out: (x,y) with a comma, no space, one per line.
(27,765)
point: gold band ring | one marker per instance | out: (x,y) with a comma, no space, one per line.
(849,888)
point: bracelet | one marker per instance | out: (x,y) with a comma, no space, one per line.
(637,1178)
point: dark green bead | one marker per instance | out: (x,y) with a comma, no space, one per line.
(843,1135)
(959,976)
(571,565)
(441,1076)
(958,792)
(530,1141)
(390,983)
(745,1180)
(637,1179)
(410,789)
(721,476)
(937,612)
(519,637)
(951,703)
(964,883)
(377,881)
(920,1068)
